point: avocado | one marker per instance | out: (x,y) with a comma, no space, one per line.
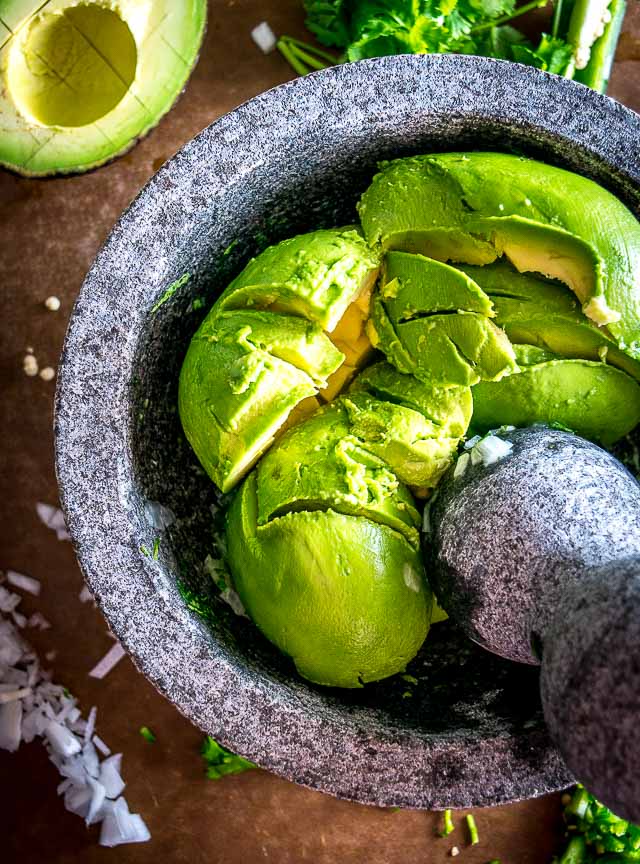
(537,311)
(234,395)
(320,463)
(81,82)
(443,349)
(414,285)
(448,408)
(294,340)
(474,207)
(315,275)
(342,595)
(595,400)
(414,427)
(260,358)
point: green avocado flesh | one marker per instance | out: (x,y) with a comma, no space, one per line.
(536,311)
(343,596)
(445,349)
(320,464)
(474,207)
(508,294)
(592,399)
(81,82)
(414,285)
(233,397)
(314,275)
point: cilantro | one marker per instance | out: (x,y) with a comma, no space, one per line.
(473,829)
(596,834)
(145,551)
(376,28)
(156,549)
(197,603)
(147,734)
(171,290)
(410,679)
(221,761)
(448,826)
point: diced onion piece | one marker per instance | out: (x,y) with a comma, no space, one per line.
(10,725)
(110,776)
(25,583)
(110,659)
(461,465)
(62,741)
(491,450)
(264,37)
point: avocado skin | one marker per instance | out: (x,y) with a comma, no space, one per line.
(314,275)
(597,401)
(537,311)
(341,595)
(451,205)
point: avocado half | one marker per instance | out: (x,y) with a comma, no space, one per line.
(268,349)
(473,208)
(83,81)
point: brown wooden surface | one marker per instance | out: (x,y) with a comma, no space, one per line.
(49,233)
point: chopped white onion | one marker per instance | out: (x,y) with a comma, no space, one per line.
(461,465)
(490,450)
(38,620)
(53,518)
(13,695)
(10,726)
(32,706)
(264,37)
(8,600)
(25,583)
(62,741)
(85,595)
(110,659)
(158,516)
(468,445)
(110,776)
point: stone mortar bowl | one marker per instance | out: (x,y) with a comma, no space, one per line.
(295,158)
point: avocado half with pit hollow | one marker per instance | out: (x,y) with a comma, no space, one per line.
(476,207)
(287,332)
(82,81)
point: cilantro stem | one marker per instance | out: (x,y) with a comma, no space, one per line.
(311,49)
(497,22)
(473,829)
(448,826)
(147,734)
(598,69)
(575,853)
(307,58)
(287,52)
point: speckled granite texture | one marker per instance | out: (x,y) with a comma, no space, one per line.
(510,538)
(293,159)
(589,683)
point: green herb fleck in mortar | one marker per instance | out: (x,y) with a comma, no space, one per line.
(156,548)
(171,290)
(147,734)
(145,551)
(221,761)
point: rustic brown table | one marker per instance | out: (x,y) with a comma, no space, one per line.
(50,231)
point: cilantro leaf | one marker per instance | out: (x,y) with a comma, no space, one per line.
(327,20)
(551,55)
(220,761)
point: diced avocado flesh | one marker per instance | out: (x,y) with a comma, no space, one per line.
(592,399)
(81,82)
(414,285)
(315,275)
(320,464)
(343,596)
(292,339)
(472,207)
(233,397)
(536,311)
(460,349)
(350,337)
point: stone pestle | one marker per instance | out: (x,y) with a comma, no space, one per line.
(537,558)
